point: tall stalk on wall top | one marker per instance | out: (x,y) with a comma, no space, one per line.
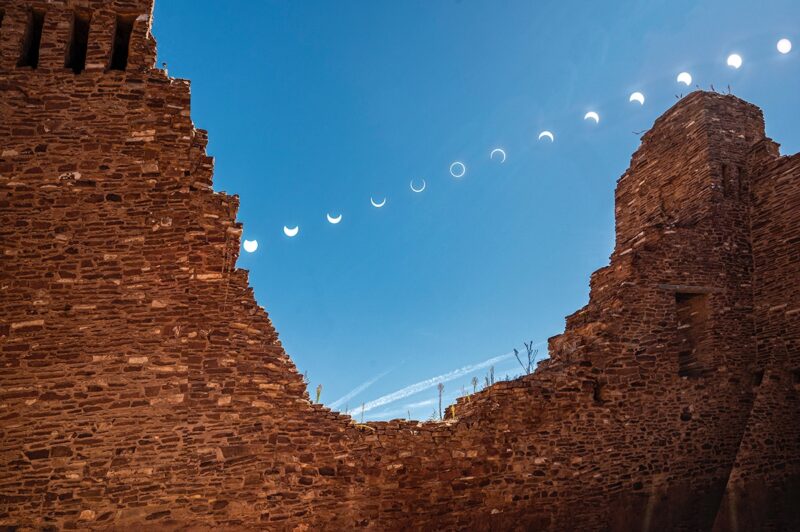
(440,387)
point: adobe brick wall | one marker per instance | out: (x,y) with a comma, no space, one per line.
(141,385)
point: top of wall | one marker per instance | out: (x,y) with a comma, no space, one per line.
(57,31)
(675,176)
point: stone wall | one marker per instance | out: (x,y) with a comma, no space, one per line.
(142,385)
(764,486)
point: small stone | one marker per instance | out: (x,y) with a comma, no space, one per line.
(27,324)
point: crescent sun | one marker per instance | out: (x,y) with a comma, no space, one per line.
(547,134)
(333,220)
(501,151)
(593,116)
(291,232)
(637,97)
(415,189)
(250,245)
(377,205)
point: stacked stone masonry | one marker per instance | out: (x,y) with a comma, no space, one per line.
(141,385)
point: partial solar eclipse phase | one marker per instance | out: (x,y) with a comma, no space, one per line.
(458,169)
(417,189)
(735,61)
(498,151)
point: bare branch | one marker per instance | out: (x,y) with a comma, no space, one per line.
(516,354)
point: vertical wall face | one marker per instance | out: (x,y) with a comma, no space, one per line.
(688,230)
(126,334)
(764,487)
(672,314)
(141,384)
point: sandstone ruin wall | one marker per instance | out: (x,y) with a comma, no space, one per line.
(141,384)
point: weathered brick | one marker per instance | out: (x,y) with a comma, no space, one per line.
(143,386)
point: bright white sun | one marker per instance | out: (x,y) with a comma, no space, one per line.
(784,46)
(735,60)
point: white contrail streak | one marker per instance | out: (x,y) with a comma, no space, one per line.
(402,411)
(357,390)
(433,381)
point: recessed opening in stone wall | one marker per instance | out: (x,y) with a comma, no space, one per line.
(758,377)
(79,42)
(692,317)
(796,376)
(122,41)
(32,39)
(2,15)
(597,393)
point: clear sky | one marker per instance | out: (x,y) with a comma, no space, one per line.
(315,106)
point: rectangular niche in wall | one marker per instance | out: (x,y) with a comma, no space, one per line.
(692,317)
(78,43)
(32,40)
(122,42)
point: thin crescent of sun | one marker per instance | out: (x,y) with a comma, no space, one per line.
(547,134)
(291,232)
(333,220)
(592,115)
(377,205)
(501,151)
(250,245)
(637,97)
(418,190)
(685,78)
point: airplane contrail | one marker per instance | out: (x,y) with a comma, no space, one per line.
(402,393)
(357,390)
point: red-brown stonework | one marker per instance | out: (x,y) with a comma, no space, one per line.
(142,386)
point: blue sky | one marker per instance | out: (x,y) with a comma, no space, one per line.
(314,106)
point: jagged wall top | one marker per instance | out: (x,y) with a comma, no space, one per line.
(678,173)
(56,33)
(142,386)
